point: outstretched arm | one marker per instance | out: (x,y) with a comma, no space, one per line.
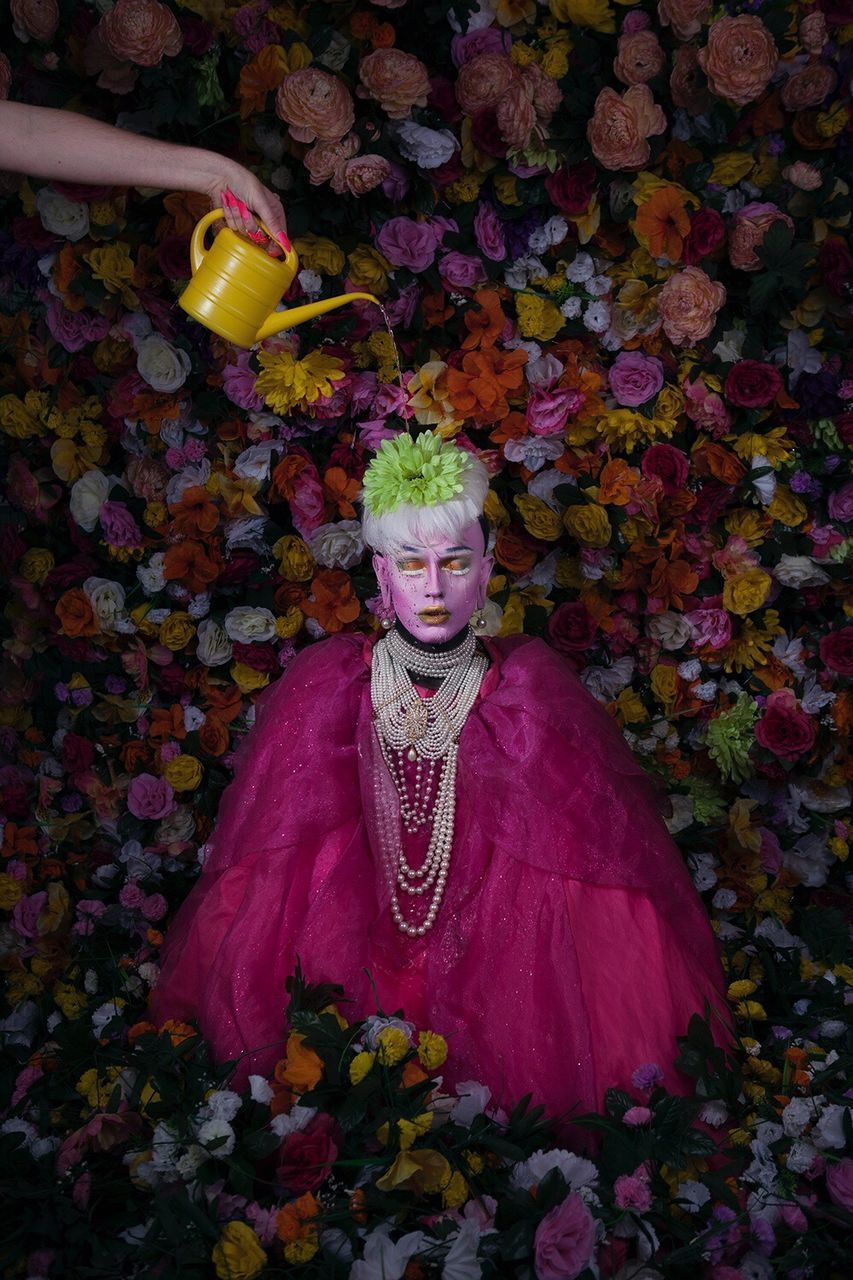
(46,143)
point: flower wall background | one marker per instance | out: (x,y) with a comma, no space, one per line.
(613,243)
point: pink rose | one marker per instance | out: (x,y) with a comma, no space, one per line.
(141,31)
(813,32)
(684,16)
(635,378)
(398,81)
(315,104)
(308,504)
(150,797)
(238,383)
(549,409)
(632,1193)
(489,233)
(669,464)
(406,243)
(739,58)
(808,87)
(840,503)
(639,58)
(565,1240)
(688,88)
(74,330)
(461,270)
(363,174)
(749,227)
(483,81)
(706,408)
(118,525)
(154,906)
(26,914)
(839,1183)
(709,628)
(621,126)
(785,728)
(482,40)
(636,1116)
(35,19)
(688,304)
(836,650)
(516,116)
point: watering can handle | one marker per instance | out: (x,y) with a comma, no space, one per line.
(197,249)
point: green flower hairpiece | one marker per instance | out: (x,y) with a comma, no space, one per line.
(420,472)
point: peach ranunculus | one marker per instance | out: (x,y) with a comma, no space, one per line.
(749,227)
(684,16)
(639,57)
(141,31)
(396,80)
(808,87)
(686,83)
(325,159)
(315,104)
(621,125)
(483,81)
(802,175)
(35,19)
(361,175)
(813,31)
(516,116)
(688,304)
(739,58)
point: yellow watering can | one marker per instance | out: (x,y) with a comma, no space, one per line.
(236,287)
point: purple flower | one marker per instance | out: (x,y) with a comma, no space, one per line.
(647,1076)
(461,270)
(712,627)
(74,329)
(406,243)
(489,233)
(839,1183)
(118,525)
(764,1236)
(26,913)
(565,1239)
(636,1116)
(238,383)
(635,378)
(150,797)
(632,1193)
(840,503)
(396,185)
(115,684)
(81,697)
(548,410)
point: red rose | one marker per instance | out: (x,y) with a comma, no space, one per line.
(669,464)
(785,729)
(836,264)
(571,189)
(260,657)
(836,651)
(486,136)
(570,628)
(751,384)
(844,427)
(707,233)
(306,1158)
(77,753)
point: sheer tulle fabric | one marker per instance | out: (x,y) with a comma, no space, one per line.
(570,947)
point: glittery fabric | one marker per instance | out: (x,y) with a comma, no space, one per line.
(570,946)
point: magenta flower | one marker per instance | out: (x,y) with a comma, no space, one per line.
(565,1239)
(150,797)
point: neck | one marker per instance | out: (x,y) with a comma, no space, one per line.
(446,646)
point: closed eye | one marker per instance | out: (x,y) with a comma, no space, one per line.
(410,566)
(459,564)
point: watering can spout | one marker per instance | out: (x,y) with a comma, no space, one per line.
(280,320)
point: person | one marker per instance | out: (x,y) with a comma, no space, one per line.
(448,825)
(44,142)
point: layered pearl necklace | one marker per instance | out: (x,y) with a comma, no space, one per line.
(424,731)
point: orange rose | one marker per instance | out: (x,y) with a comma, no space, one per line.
(396,80)
(739,58)
(684,16)
(315,104)
(483,81)
(688,304)
(808,87)
(141,31)
(75,613)
(514,553)
(35,19)
(213,737)
(621,126)
(639,57)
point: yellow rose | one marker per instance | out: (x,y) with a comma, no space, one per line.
(786,507)
(746,592)
(588,524)
(184,773)
(505,186)
(495,511)
(630,708)
(522,54)
(664,682)
(22,419)
(392,1045)
(176,631)
(36,564)
(537,317)
(289,624)
(539,520)
(113,266)
(299,1251)
(670,402)
(368,269)
(237,1254)
(456,1192)
(247,679)
(71,1001)
(295,561)
(316,253)
(731,167)
(465,189)
(432,1050)
(11,891)
(596,14)
(360,1066)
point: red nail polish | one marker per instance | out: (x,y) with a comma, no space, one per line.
(244,208)
(228,198)
(284,242)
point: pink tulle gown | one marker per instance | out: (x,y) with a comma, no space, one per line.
(570,946)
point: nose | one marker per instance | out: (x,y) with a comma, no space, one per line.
(433,580)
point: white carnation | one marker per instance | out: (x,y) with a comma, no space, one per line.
(799,571)
(164,367)
(533,451)
(248,625)
(670,630)
(576,1171)
(62,217)
(571,308)
(339,543)
(151,576)
(88,495)
(427,148)
(581,268)
(597,317)
(213,646)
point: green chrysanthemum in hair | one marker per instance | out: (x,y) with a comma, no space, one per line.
(419,473)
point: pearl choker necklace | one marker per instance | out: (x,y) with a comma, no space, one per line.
(424,731)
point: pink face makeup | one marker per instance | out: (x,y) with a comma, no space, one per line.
(434,587)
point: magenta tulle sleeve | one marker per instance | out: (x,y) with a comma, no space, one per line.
(570,947)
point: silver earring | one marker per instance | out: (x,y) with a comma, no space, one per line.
(387,624)
(479,619)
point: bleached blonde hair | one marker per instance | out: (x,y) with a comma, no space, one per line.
(407,525)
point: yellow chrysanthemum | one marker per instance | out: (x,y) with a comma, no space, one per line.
(286,382)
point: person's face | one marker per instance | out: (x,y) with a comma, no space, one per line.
(434,587)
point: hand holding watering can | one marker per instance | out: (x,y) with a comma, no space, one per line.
(236,286)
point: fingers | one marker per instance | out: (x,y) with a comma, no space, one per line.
(241,219)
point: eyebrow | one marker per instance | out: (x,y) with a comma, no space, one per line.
(449,552)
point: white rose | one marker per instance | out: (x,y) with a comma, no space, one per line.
(163,366)
(246,624)
(338,544)
(670,630)
(213,646)
(107,599)
(66,218)
(427,148)
(254,463)
(150,575)
(310,282)
(799,571)
(88,495)
(764,486)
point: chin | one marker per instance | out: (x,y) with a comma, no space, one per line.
(438,634)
